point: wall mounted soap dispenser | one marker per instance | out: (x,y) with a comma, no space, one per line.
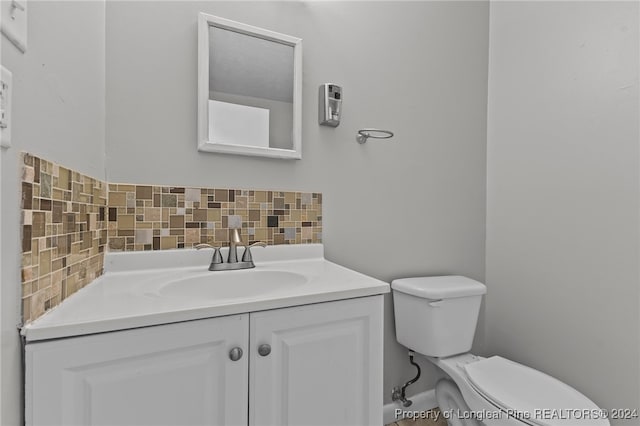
(329,104)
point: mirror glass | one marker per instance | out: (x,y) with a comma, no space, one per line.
(248,90)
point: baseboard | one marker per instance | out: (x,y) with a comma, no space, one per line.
(423,401)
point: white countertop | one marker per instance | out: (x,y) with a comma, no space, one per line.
(126,295)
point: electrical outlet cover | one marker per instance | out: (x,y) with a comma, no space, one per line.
(13,22)
(6,87)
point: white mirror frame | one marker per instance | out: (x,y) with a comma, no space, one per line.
(204,144)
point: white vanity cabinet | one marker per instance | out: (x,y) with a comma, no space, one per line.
(174,374)
(324,367)
(303,365)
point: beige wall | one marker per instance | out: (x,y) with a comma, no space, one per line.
(411,205)
(563,193)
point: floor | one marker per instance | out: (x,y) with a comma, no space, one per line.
(425,418)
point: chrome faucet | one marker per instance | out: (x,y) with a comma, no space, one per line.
(217,264)
(234,241)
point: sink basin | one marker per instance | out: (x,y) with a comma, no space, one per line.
(232,284)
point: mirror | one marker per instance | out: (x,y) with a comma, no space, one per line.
(249,90)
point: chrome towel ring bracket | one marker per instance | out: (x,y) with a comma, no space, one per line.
(364,134)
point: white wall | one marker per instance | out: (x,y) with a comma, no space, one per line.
(412,205)
(563,193)
(58,113)
(280,116)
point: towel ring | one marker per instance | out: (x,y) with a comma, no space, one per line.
(364,134)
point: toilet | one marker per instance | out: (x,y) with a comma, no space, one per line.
(437,317)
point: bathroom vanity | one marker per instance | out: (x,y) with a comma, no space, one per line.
(297,340)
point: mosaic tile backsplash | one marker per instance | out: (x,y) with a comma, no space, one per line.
(63,233)
(158,217)
(70,219)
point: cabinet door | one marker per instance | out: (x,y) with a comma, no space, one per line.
(324,367)
(176,374)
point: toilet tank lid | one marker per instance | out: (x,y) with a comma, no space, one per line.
(443,287)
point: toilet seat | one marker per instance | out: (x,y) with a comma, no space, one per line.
(515,388)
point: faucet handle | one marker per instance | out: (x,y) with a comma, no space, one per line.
(246,256)
(204,245)
(217,257)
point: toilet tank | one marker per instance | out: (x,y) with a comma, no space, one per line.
(437,316)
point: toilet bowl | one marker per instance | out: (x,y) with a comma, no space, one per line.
(437,317)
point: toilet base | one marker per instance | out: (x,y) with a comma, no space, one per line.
(452,404)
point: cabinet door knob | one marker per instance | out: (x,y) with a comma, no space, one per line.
(235,354)
(264,349)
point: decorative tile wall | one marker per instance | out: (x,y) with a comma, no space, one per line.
(63,233)
(69,219)
(143,217)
